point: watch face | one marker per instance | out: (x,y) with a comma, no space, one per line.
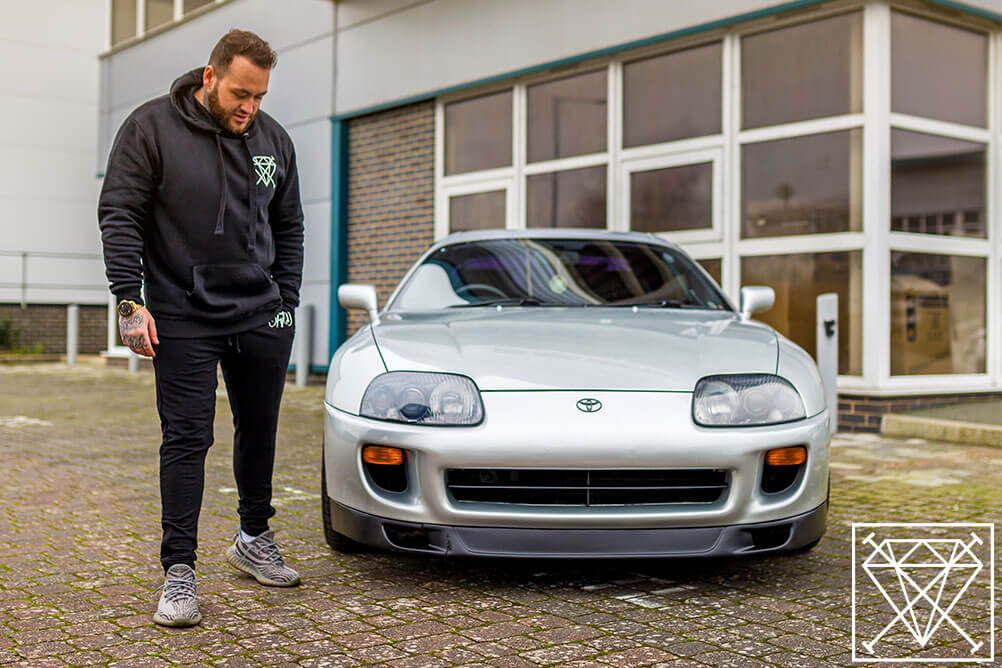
(125,309)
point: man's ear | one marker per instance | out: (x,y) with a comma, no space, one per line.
(208,76)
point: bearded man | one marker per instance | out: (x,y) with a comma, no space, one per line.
(200,211)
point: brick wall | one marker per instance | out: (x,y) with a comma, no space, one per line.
(391,195)
(46,324)
(863,413)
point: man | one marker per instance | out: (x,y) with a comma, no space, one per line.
(201,202)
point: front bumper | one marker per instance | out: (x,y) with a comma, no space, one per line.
(746,539)
(541,430)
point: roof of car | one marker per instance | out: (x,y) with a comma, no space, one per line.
(551,233)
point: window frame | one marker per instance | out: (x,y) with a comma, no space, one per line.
(141,31)
(875,240)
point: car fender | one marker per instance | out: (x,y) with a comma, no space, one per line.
(796,366)
(352,368)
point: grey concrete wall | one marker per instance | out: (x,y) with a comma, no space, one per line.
(300,96)
(48,135)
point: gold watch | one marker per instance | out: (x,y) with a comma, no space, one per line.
(127,307)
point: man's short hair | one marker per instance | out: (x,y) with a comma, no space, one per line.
(241,43)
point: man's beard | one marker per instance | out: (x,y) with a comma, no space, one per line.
(224,118)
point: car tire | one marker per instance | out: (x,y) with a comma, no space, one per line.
(337,541)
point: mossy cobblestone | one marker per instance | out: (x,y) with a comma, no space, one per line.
(79,538)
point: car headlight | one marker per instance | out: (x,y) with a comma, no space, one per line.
(423,398)
(745,400)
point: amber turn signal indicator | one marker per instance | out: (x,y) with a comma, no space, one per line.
(382,454)
(791,456)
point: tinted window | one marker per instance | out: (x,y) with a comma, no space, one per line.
(557,272)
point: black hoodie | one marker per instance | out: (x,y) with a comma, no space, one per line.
(211,220)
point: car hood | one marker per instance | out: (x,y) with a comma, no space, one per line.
(532,348)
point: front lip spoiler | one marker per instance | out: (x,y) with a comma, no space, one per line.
(785,535)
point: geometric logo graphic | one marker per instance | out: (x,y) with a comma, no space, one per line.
(265,166)
(923,592)
(589,405)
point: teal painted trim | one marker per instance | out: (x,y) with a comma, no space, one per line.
(967,9)
(314,368)
(100,175)
(339,232)
(647,41)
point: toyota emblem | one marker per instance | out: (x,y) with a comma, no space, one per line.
(589,405)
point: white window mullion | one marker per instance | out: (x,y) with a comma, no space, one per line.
(808,243)
(993,294)
(517,218)
(564,164)
(178,9)
(801,128)
(140,17)
(730,265)
(942,128)
(441,203)
(876,194)
(938,243)
(615,187)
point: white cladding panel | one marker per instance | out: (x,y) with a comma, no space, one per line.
(304,71)
(48,137)
(391,50)
(313,158)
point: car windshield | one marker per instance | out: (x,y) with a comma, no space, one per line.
(557,272)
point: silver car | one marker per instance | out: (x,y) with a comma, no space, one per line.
(571,393)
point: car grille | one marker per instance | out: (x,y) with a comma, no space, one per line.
(581,487)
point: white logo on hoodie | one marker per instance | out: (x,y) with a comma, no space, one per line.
(265,166)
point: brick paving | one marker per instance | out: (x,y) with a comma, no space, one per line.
(79,535)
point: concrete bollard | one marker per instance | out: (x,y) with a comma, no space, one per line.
(827,352)
(304,343)
(72,334)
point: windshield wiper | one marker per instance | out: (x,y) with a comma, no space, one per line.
(662,303)
(506,301)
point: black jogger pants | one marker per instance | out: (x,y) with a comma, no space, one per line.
(254,366)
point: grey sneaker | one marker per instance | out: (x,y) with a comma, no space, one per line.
(178,604)
(261,559)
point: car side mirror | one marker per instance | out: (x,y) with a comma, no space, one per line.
(358,296)
(755,299)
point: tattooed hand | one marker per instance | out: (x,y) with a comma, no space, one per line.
(139,332)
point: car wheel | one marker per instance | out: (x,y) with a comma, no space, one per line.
(336,541)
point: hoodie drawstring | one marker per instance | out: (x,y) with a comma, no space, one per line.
(252,187)
(221,213)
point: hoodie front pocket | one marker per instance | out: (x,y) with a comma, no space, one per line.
(231,291)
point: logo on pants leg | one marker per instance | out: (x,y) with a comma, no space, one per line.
(923,592)
(282,319)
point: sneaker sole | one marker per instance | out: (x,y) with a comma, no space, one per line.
(178,621)
(245,566)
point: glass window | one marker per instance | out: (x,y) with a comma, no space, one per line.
(557,272)
(478,133)
(671,199)
(803,185)
(712,267)
(938,71)
(937,314)
(567,117)
(654,112)
(805,71)
(479,211)
(937,185)
(191,5)
(573,198)
(159,12)
(798,280)
(123,20)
